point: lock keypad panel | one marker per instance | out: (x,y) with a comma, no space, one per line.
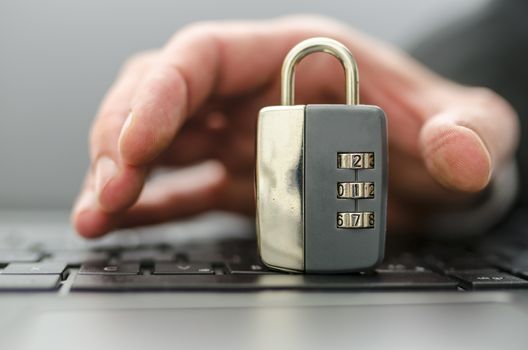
(355,220)
(364,160)
(355,190)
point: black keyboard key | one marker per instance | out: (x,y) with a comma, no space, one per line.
(254,282)
(524,274)
(402,263)
(151,255)
(501,249)
(39,268)
(78,257)
(10,256)
(229,251)
(97,268)
(29,282)
(489,280)
(184,268)
(464,262)
(516,264)
(395,267)
(248,269)
(212,255)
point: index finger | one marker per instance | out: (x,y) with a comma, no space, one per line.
(198,61)
(221,58)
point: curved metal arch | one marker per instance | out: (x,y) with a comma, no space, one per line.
(319,44)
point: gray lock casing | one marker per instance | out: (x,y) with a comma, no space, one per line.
(329,130)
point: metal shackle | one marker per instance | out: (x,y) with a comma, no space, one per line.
(319,44)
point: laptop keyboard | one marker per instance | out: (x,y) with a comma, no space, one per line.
(234,265)
(182,258)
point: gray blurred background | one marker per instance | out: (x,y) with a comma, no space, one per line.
(57,58)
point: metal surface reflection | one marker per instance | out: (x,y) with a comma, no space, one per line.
(279,186)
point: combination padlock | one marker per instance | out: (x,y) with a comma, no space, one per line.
(321,176)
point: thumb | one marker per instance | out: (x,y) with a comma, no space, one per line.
(462,146)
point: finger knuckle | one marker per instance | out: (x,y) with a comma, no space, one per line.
(138,60)
(312,20)
(202,30)
(491,103)
(486,97)
(104,133)
(93,140)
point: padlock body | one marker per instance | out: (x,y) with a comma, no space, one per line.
(333,132)
(307,175)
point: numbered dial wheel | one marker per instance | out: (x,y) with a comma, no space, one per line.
(355,190)
(363,160)
(355,220)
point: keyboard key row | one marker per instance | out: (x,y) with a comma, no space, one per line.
(248,269)
(98,268)
(183,269)
(386,281)
(126,276)
(128,268)
(161,268)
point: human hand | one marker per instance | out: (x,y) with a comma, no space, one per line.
(192,106)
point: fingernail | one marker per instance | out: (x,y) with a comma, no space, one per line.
(85,201)
(105,170)
(126,126)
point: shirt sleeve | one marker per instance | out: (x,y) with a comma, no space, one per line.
(499,199)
